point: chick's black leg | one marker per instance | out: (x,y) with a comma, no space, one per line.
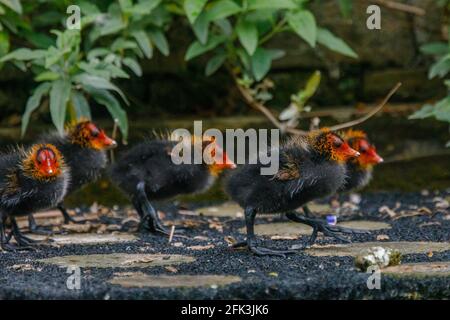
(34,228)
(20,238)
(4,239)
(250,215)
(324,227)
(149,217)
(307,212)
(67,218)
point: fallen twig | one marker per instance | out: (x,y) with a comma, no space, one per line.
(114,135)
(400,7)
(252,102)
(172,231)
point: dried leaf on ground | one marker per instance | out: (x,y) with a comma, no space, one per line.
(284,237)
(24,267)
(205,247)
(77,228)
(382,237)
(171,269)
(230,240)
(388,211)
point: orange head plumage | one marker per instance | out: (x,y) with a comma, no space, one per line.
(331,145)
(43,162)
(358,140)
(86,134)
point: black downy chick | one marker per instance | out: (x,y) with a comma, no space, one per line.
(310,167)
(146,172)
(30,180)
(84,148)
(359,170)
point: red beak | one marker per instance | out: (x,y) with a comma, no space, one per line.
(348,152)
(227,163)
(47,167)
(107,142)
(373,156)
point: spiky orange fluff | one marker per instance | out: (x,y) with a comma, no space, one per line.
(87,135)
(353,134)
(330,144)
(32,164)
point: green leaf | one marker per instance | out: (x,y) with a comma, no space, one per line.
(304,24)
(215,63)
(442,110)
(201,28)
(85,79)
(261,62)
(346,7)
(33,103)
(193,9)
(160,41)
(13,5)
(4,43)
(98,52)
(133,65)
(310,88)
(111,26)
(248,35)
(435,48)
(271,4)
(88,8)
(81,105)
(106,99)
(125,4)
(144,7)
(245,58)
(122,44)
(225,26)
(116,72)
(39,40)
(222,9)
(24,54)
(144,42)
(329,40)
(196,48)
(440,68)
(47,76)
(59,96)
(53,55)
(425,112)
(276,53)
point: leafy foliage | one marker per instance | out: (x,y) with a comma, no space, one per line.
(440,51)
(235,33)
(75,68)
(79,67)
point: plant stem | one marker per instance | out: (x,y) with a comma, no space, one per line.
(278,28)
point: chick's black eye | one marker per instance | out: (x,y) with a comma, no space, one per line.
(95,133)
(337,143)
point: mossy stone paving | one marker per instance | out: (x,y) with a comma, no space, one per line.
(233,210)
(87,238)
(140,280)
(227,209)
(427,269)
(356,248)
(119,260)
(296,229)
